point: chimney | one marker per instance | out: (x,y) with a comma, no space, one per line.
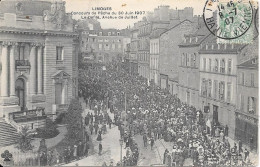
(156,14)
(164,13)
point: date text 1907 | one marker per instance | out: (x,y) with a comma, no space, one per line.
(131,13)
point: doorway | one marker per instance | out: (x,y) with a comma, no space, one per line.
(58,93)
(20,92)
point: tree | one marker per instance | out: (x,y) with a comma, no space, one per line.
(73,119)
(49,131)
(24,140)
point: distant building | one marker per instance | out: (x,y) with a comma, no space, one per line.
(104,45)
(88,24)
(39,63)
(156,20)
(133,52)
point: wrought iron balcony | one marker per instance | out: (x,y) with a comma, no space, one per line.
(22,64)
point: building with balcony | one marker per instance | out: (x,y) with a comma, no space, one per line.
(247,113)
(39,61)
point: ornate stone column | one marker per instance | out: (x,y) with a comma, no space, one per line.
(33,69)
(12,69)
(5,71)
(39,71)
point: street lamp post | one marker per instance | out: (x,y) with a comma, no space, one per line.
(121,144)
(125,98)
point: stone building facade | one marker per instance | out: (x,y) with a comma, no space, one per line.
(39,73)
(169,53)
(188,85)
(218,82)
(144,48)
(154,54)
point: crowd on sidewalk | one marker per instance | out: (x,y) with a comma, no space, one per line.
(157,115)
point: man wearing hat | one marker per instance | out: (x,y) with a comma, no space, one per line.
(100,147)
(145,140)
(152,142)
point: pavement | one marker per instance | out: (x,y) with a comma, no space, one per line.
(111,150)
(111,146)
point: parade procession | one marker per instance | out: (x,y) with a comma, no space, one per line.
(129,83)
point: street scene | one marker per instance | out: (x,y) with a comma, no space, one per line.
(164,83)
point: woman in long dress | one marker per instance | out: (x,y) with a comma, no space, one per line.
(99,138)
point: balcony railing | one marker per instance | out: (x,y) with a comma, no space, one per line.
(22,64)
(28,115)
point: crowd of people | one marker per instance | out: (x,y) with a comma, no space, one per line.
(147,110)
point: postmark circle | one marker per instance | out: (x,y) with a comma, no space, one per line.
(228,19)
(256,20)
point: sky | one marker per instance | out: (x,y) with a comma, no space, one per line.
(130,5)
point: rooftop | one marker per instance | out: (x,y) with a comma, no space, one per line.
(252,63)
(212,47)
(157,32)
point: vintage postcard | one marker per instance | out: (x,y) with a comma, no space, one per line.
(129,83)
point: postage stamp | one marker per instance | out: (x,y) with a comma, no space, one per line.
(229,20)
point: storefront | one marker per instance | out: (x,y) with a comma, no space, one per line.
(246,129)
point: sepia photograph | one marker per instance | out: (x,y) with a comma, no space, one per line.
(169,83)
